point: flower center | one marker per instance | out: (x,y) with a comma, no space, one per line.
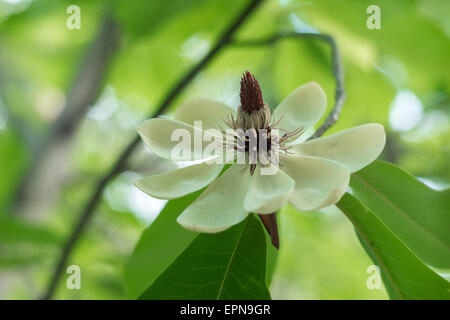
(255,130)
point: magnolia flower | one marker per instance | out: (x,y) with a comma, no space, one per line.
(312,174)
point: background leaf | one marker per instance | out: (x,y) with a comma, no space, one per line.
(226,265)
(418,215)
(405,276)
(159,41)
(14,230)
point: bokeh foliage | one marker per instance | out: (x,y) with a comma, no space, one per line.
(320,256)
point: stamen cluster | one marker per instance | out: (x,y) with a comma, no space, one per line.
(254,125)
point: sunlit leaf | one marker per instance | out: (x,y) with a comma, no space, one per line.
(405,276)
(418,215)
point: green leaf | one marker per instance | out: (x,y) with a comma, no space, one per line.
(158,246)
(405,276)
(226,265)
(418,215)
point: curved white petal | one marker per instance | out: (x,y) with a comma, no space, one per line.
(179,182)
(303,107)
(211,113)
(171,139)
(355,147)
(268,193)
(221,205)
(318,182)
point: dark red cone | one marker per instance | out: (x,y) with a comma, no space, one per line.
(251,95)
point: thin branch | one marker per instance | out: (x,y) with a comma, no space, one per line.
(333,116)
(180,85)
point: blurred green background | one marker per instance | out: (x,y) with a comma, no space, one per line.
(70,101)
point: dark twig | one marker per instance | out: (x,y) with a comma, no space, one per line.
(333,116)
(180,85)
(270,223)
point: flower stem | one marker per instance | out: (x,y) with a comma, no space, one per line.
(270,223)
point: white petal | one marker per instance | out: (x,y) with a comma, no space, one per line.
(211,113)
(303,107)
(355,147)
(268,193)
(171,139)
(221,205)
(179,182)
(318,182)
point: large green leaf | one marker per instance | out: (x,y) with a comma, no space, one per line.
(418,215)
(405,275)
(158,246)
(226,265)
